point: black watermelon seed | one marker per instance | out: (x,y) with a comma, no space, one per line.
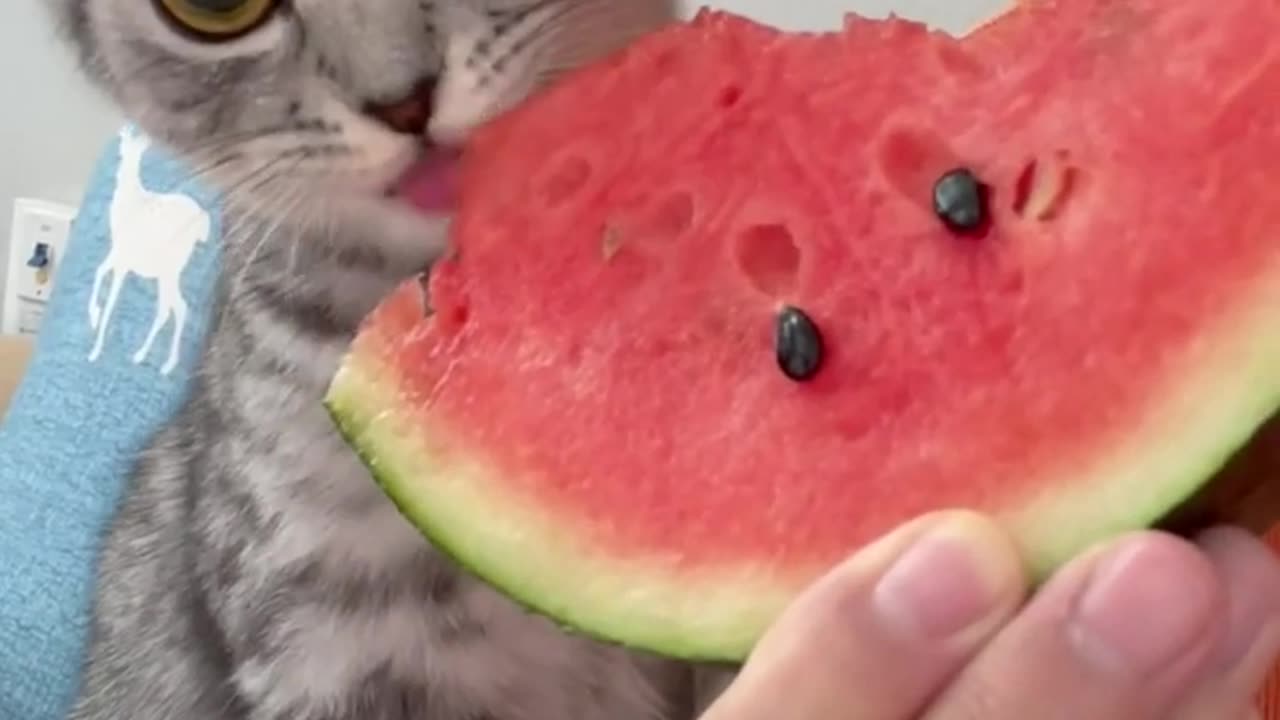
(798,344)
(959,200)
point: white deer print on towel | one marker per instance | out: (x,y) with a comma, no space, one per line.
(153,236)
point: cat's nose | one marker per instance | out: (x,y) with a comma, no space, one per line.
(408,115)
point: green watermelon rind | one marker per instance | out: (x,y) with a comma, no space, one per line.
(532,559)
(359,403)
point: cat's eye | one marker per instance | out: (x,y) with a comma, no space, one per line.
(218,19)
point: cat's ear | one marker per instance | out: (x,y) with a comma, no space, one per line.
(71,20)
(69,15)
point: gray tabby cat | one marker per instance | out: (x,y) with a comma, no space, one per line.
(254,571)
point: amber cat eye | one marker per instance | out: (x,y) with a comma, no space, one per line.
(218,19)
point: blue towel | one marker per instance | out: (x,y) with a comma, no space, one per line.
(146,233)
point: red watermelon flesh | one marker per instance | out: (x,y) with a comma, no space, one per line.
(584,405)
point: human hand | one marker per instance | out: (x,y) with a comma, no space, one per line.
(934,623)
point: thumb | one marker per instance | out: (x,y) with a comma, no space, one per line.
(881,634)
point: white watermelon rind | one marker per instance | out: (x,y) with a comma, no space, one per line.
(456,499)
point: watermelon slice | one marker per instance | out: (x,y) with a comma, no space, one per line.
(592,406)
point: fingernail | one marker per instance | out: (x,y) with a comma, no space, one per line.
(954,577)
(1144,606)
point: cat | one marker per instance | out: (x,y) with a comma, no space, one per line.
(253,570)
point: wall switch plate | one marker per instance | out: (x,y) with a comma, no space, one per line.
(37,242)
(30,317)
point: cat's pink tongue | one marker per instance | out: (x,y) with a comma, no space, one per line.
(431,183)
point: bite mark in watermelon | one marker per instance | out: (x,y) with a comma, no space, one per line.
(584,406)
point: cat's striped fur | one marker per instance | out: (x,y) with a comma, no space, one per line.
(254,572)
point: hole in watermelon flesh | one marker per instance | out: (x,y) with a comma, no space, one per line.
(448,317)
(958,62)
(610,241)
(449,321)
(912,160)
(1043,187)
(650,227)
(668,61)
(769,257)
(565,180)
(673,216)
(729,96)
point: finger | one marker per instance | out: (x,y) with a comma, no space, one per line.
(877,637)
(1118,634)
(1249,647)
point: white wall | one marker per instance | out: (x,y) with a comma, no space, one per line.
(52,126)
(956,16)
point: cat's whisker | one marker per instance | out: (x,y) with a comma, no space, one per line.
(280,210)
(252,524)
